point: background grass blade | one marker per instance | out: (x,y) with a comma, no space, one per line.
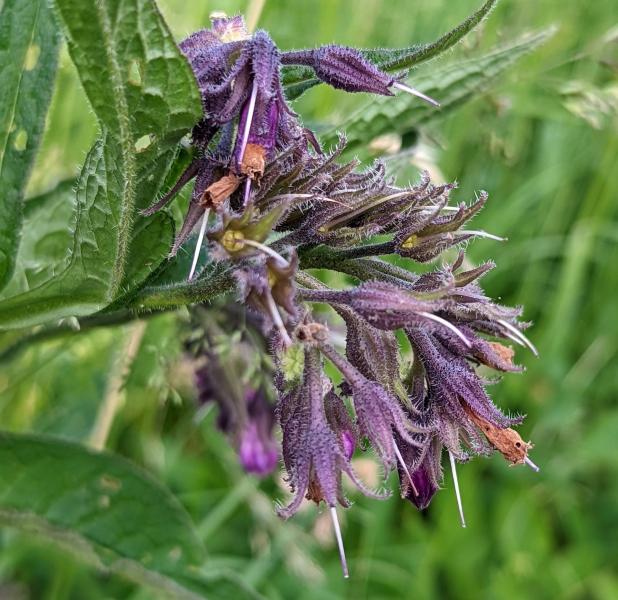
(452,86)
(297,80)
(391,60)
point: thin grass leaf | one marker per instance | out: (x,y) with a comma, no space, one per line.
(297,80)
(453,86)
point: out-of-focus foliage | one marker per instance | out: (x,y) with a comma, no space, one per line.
(543,141)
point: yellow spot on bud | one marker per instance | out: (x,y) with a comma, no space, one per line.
(411,242)
(232,240)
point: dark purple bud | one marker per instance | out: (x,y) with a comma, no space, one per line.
(341,423)
(379,414)
(344,68)
(313,456)
(424,489)
(372,351)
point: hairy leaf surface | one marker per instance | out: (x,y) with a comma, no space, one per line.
(145,97)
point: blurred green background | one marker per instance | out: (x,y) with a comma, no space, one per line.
(544,143)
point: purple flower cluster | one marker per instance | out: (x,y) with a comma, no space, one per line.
(283,206)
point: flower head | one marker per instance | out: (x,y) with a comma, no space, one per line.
(281,205)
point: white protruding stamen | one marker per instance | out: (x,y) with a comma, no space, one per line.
(531,464)
(452,327)
(404,467)
(463,522)
(274,313)
(520,335)
(482,234)
(266,249)
(406,88)
(200,239)
(247,191)
(245,135)
(344,564)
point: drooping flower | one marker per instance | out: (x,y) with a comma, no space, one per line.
(281,205)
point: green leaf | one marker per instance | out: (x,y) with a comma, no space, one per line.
(297,80)
(44,249)
(28,60)
(146,98)
(107,512)
(452,86)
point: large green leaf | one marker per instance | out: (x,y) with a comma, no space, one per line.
(452,86)
(145,97)
(44,250)
(297,80)
(108,512)
(28,59)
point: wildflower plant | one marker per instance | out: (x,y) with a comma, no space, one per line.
(271,204)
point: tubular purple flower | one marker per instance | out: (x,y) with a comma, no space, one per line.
(378,414)
(313,455)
